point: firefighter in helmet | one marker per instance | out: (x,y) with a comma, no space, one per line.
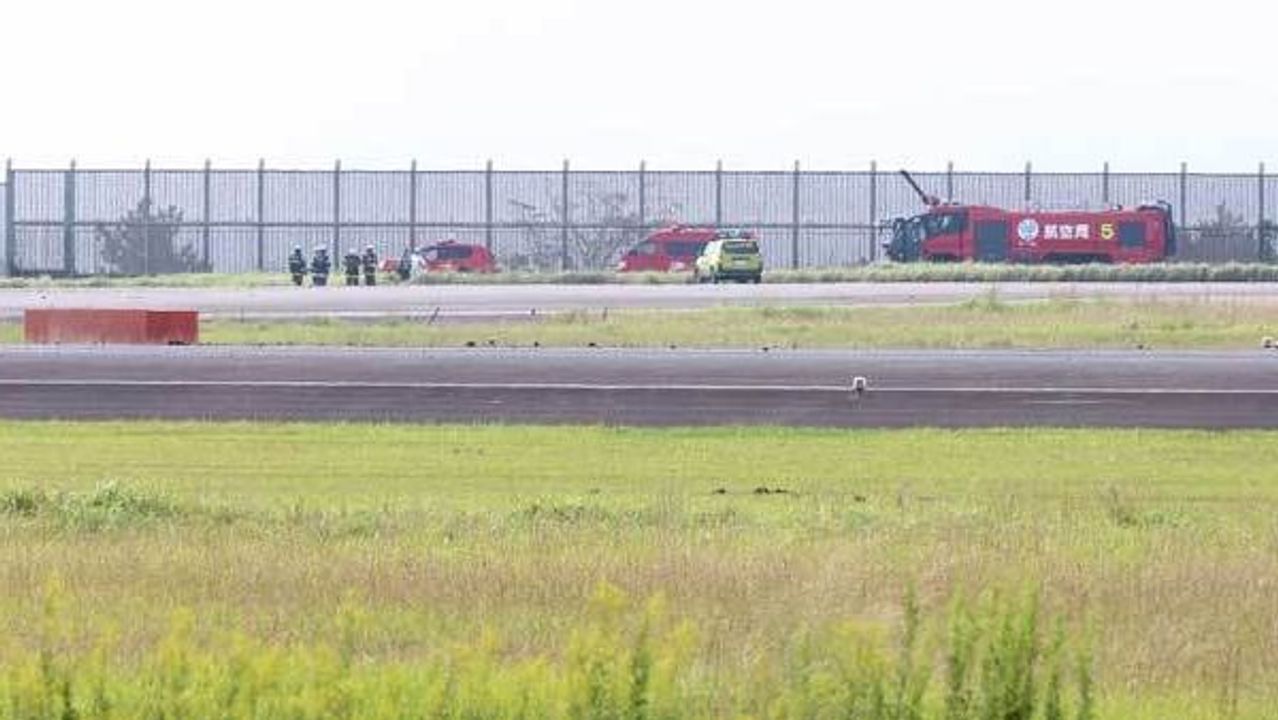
(320,265)
(297,265)
(370,265)
(350,265)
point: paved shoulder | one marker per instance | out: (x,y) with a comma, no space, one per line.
(499,300)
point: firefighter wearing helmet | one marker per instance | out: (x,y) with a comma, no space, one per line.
(320,266)
(370,265)
(350,264)
(297,265)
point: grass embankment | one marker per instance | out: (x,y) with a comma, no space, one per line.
(373,570)
(985,322)
(883,272)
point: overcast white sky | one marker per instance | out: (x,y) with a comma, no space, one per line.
(988,84)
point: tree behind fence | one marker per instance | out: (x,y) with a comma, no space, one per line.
(78,221)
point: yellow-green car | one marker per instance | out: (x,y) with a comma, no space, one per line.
(730,258)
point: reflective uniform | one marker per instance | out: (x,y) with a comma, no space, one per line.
(320,265)
(370,266)
(350,264)
(297,266)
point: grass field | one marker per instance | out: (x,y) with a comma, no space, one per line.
(985,322)
(369,570)
(883,272)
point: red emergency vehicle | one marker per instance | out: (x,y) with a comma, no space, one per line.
(443,256)
(950,232)
(673,249)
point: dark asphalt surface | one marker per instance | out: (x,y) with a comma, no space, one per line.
(462,302)
(654,387)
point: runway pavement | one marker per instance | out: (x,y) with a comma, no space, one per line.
(652,387)
(460,302)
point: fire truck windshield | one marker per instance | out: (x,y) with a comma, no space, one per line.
(909,234)
(943,223)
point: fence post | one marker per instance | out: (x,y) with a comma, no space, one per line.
(261,214)
(337,210)
(68,221)
(148,208)
(949,180)
(563,218)
(412,205)
(488,205)
(718,193)
(1029,186)
(1262,237)
(643,194)
(10,228)
(1105,183)
(204,223)
(794,226)
(874,210)
(1184,191)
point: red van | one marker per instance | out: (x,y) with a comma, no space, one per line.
(443,256)
(669,249)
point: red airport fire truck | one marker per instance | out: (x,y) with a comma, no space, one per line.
(952,232)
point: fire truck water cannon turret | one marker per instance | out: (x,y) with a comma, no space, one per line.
(960,232)
(928,200)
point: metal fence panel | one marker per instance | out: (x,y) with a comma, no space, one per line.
(1132,189)
(38,249)
(1227,199)
(297,197)
(1222,214)
(685,198)
(451,197)
(1068,191)
(107,196)
(829,198)
(775,245)
(38,195)
(529,248)
(257,216)
(233,196)
(528,198)
(897,199)
(604,198)
(4,235)
(234,250)
(758,199)
(278,242)
(375,197)
(1005,190)
(180,189)
(834,247)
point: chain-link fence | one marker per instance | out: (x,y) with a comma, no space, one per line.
(78,222)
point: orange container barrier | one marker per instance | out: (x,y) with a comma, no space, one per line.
(87,325)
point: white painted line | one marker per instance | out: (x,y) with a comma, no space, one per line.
(624,387)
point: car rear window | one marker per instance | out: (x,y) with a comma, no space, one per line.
(684,248)
(450,252)
(741,247)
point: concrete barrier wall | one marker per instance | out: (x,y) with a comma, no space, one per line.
(114,326)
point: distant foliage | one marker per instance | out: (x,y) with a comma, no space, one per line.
(145,242)
(1227,235)
(614,228)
